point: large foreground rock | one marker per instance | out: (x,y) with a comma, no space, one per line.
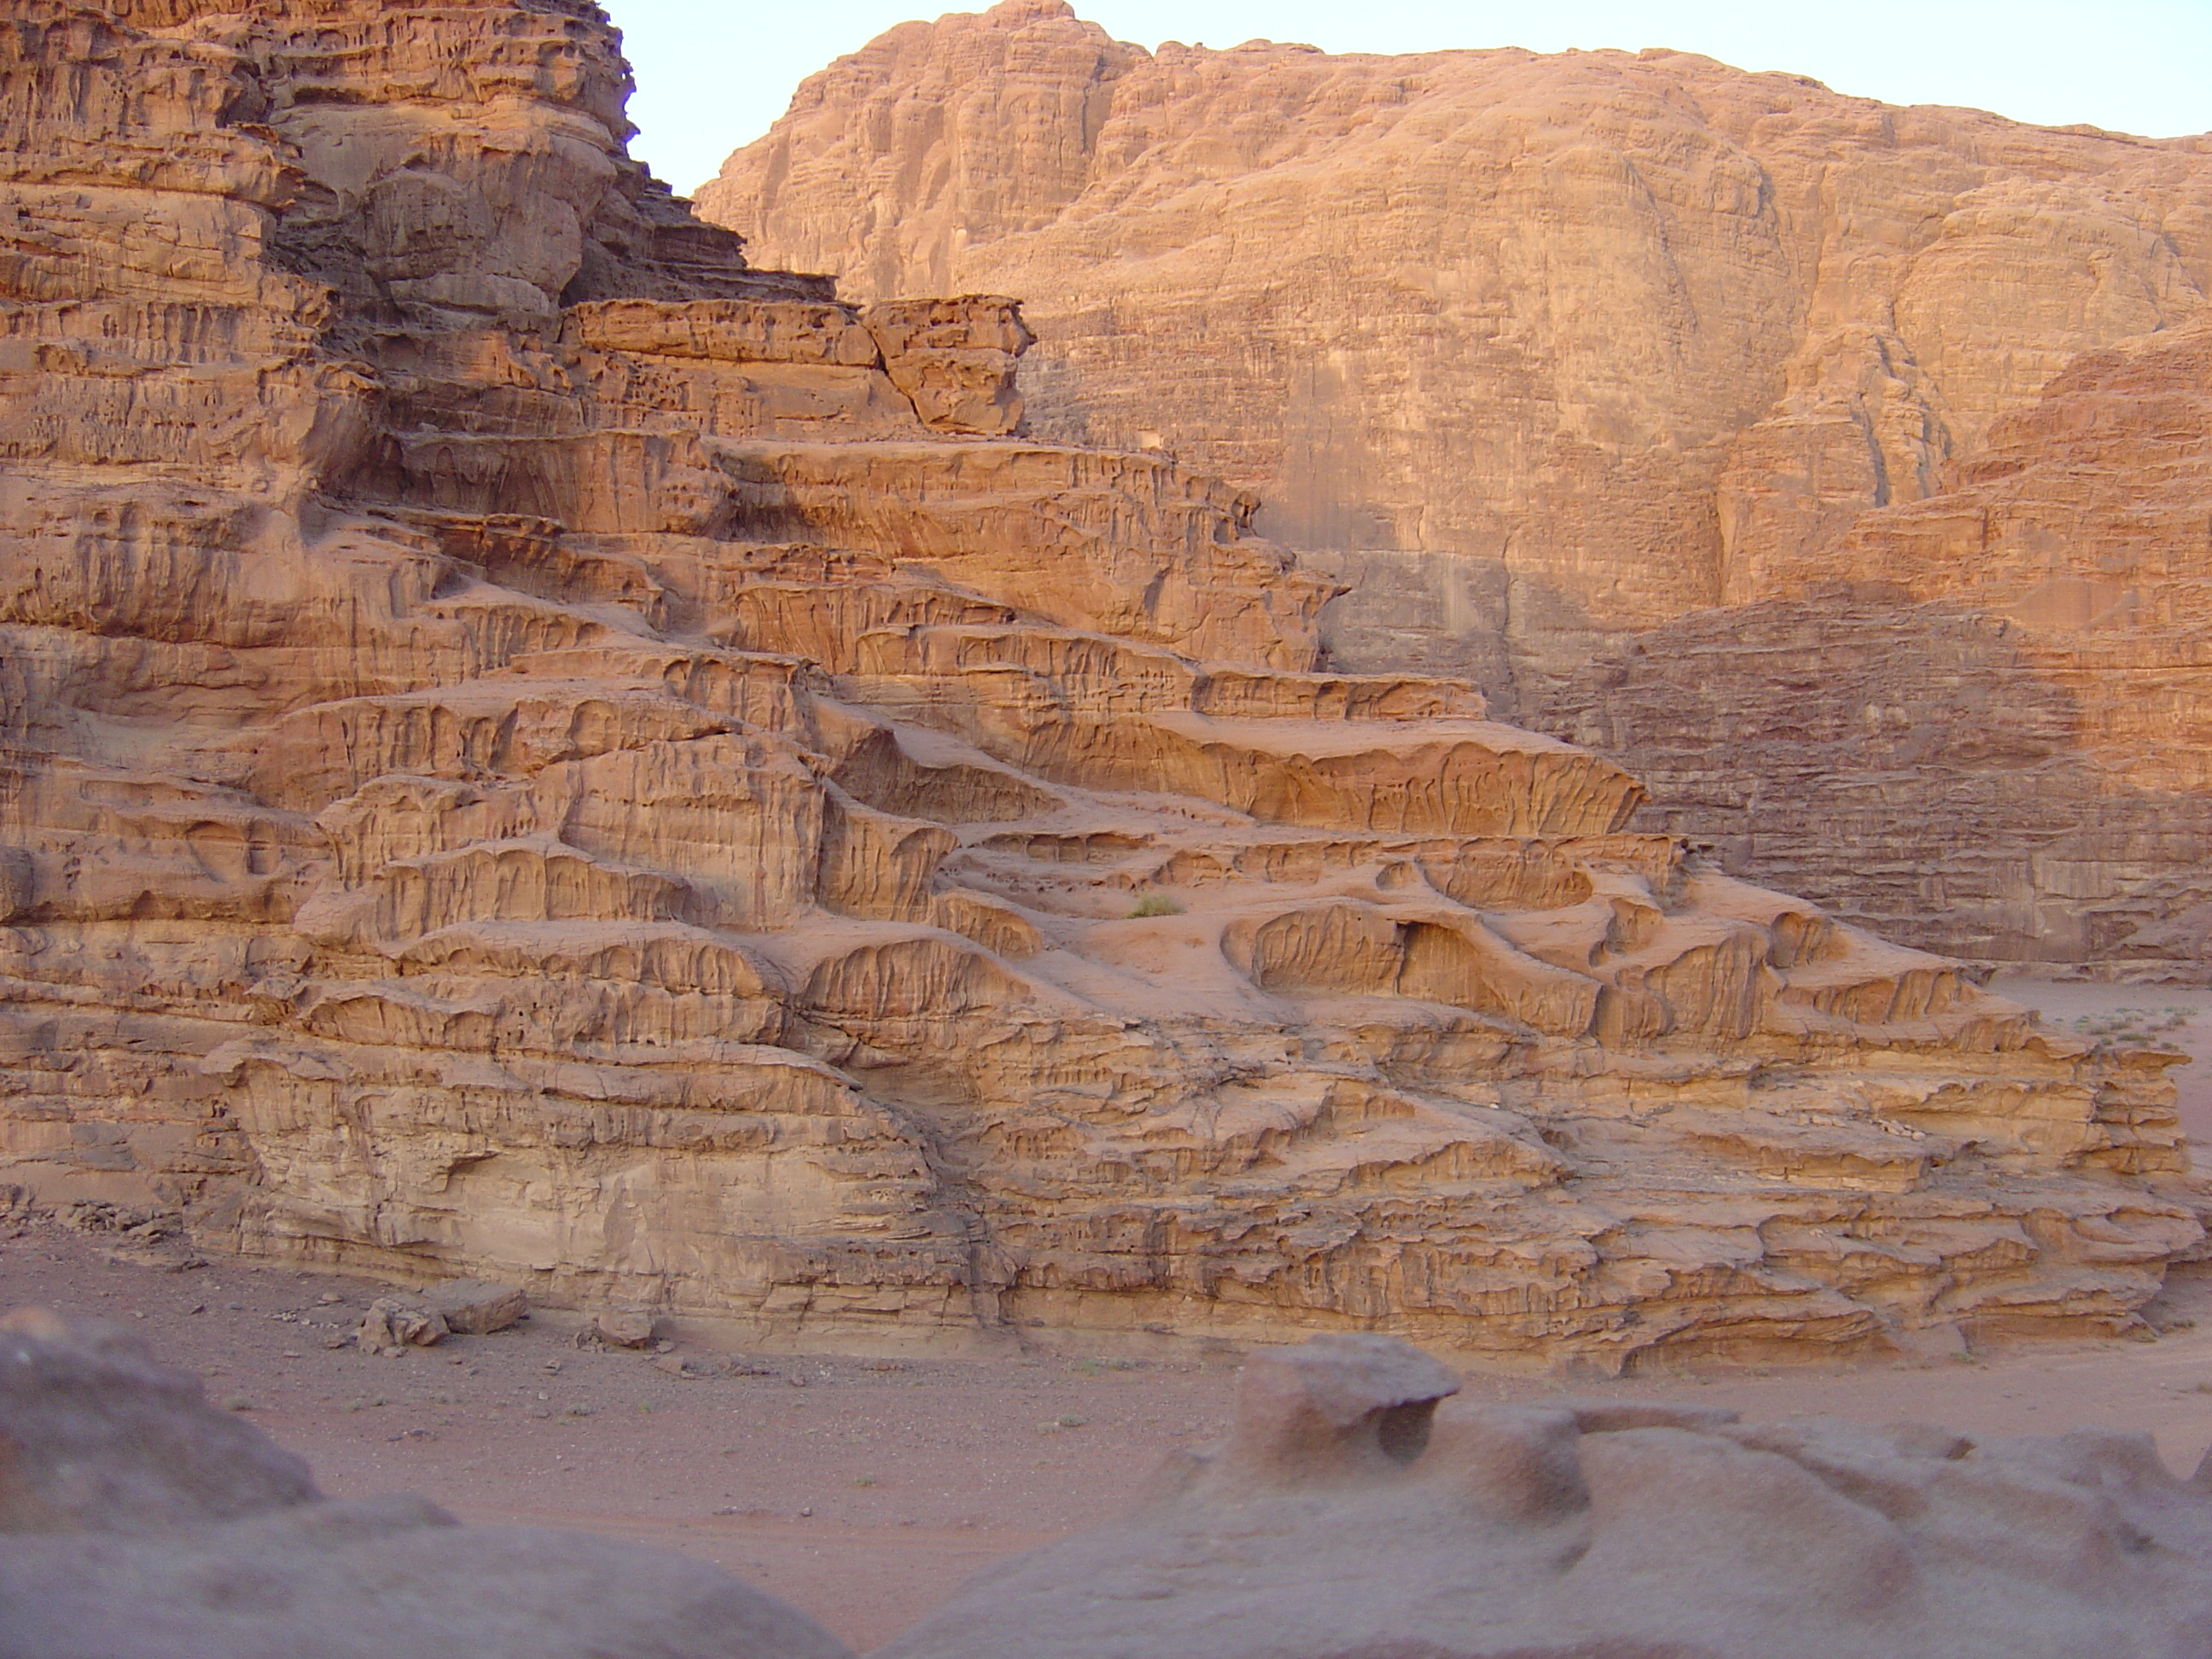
(531,749)
(1744,430)
(1339,1523)
(136,1522)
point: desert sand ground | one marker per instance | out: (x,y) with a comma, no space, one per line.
(863,1489)
(2080,1007)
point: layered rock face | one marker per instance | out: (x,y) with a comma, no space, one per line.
(1598,371)
(1350,1516)
(2019,658)
(534,747)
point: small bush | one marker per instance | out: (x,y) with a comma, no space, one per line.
(2138,1026)
(1156,905)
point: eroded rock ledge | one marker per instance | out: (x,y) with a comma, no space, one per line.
(532,747)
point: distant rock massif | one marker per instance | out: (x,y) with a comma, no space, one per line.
(1845,469)
(532,746)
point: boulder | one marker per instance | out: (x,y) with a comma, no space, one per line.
(392,1324)
(477,1307)
(623,1328)
(1331,1526)
(96,1436)
(138,1522)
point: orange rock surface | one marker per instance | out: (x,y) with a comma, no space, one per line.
(535,748)
(1592,376)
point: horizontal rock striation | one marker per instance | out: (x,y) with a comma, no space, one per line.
(1592,376)
(533,748)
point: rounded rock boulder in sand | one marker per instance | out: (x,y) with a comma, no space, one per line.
(137,1521)
(1347,1517)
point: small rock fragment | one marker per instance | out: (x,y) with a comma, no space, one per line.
(477,1307)
(393,1324)
(623,1328)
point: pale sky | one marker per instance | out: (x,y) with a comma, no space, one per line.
(714,74)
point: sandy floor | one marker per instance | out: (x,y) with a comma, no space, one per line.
(865,1490)
(2081,1008)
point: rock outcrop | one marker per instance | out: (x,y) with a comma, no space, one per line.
(534,747)
(1348,1518)
(137,1521)
(2018,663)
(1610,380)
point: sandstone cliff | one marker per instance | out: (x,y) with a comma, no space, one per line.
(534,746)
(1538,354)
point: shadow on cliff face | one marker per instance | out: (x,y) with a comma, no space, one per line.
(1919,769)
